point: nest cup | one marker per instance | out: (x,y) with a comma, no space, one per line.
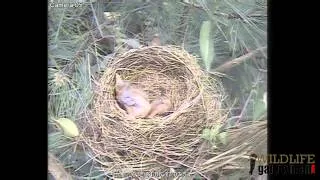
(123,146)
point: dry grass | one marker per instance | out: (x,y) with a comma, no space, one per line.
(170,143)
(249,138)
(159,143)
(124,147)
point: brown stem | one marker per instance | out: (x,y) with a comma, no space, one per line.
(56,169)
(229,16)
(230,64)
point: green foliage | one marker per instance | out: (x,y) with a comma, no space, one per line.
(69,96)
(206,44)
(56,140)
(197,177)
(69,78)
(214,136)
(216,30)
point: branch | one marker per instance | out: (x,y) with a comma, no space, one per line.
(237,16)
(96,19)
(244,107)
(229,16)
(230,64)
(56,169)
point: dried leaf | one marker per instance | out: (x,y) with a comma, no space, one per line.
(69,128)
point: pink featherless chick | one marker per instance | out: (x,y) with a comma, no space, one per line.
(134,100)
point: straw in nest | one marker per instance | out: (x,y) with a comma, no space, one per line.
(125,146)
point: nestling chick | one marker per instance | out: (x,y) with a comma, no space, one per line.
(133,99)
(159,106)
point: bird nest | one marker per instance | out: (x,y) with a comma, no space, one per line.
(166,142)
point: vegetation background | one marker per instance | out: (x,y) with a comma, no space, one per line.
(228,36)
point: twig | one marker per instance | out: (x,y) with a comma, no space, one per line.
(211,167)
(230,64)
(59,26)
(56,169)
(91,158)
(244,107)
(247,101)
(237,16)
(96,19)
(263,70)
(229,16)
